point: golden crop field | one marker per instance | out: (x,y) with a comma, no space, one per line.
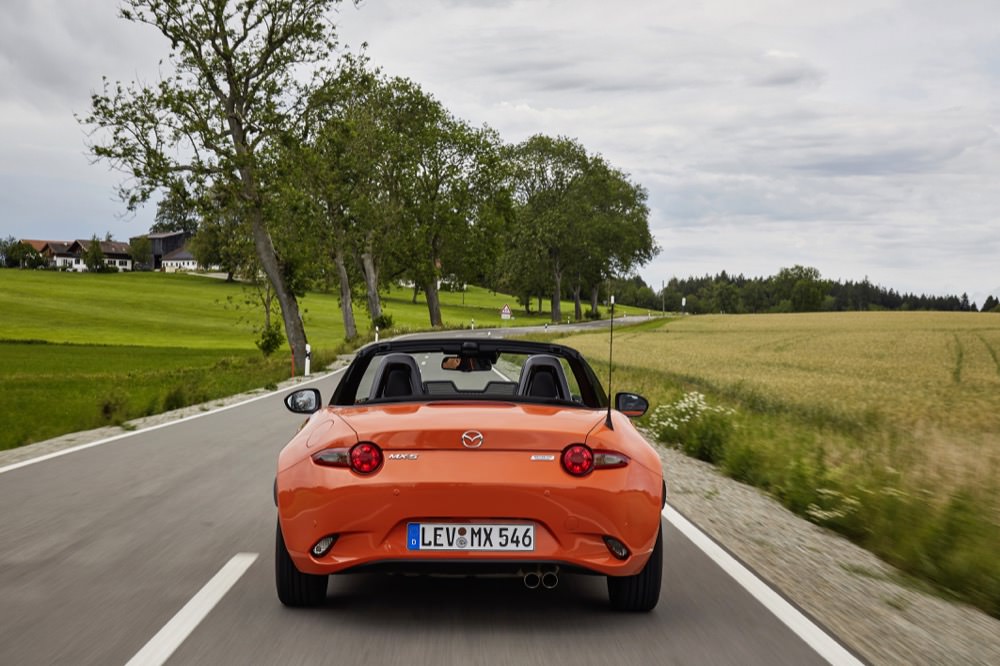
(882,425)
(934,376)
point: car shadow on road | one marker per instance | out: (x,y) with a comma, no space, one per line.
(485,602)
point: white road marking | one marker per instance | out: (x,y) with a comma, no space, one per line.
(169,638)
(820,641)
(88,445)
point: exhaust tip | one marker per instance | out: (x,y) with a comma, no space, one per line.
(532,580)
(549,580)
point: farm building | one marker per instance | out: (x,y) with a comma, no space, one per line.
(59,255)
(116,254)
(179,260)
(68,255)
(165,242)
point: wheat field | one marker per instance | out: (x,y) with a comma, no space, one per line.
(932,377)
(884,426)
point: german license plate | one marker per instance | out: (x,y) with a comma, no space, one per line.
(479,536)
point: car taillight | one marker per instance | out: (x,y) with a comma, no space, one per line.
(363,458)
(366,458)
(578,459)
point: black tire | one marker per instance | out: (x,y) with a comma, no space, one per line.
(294,587)
(641,592)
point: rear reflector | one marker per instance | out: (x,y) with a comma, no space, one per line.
(324,545)
(616,547)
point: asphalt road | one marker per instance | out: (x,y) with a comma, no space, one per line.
(100,548)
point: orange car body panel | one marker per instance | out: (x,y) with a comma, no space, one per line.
(498,482)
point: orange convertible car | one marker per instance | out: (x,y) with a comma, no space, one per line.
(469,456)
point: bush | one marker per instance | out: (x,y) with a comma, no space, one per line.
(592,314)
(271,339)
(698,429)
(175,399)
(113,407)
(383,321)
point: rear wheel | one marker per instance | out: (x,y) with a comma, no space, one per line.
(641,592)
(294,587)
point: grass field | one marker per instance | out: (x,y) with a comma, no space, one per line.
(79,351)
(884,426)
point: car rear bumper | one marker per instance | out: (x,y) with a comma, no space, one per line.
(370,515)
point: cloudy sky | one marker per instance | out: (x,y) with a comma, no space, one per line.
(861,137)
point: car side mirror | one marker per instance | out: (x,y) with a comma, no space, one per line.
(631,405)
(304,401)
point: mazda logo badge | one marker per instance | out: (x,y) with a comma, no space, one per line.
(472,439)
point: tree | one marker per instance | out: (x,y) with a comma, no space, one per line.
(448,189)
(361,133)
(176,211)
(5,245)
(16,254)
(142,252)
(807,296)
(232,92)
(546,172)
(93,256)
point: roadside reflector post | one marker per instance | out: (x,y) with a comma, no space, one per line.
(376,334)
(308,358)
(473,321)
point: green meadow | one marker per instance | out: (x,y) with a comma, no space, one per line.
(81,350)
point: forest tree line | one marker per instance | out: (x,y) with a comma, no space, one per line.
(795,289)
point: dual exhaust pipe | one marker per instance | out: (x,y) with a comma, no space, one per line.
(547,579)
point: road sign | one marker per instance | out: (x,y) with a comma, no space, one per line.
(505,312)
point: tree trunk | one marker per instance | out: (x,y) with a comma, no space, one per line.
(433,303)
(350,328)
(557,297)
(371,285)
(294,330)
(416,290)
(594,293)
(577,307)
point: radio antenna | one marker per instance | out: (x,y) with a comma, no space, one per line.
(611,348)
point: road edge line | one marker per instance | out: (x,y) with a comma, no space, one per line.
(80,447)
(162,645)
(825,645)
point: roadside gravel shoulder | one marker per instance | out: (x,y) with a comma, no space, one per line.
(860,598)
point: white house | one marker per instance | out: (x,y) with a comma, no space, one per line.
(116,254)
(179,260)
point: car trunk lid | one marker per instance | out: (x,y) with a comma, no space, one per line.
(494,426)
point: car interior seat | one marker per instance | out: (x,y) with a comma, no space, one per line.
(397,376)
(542,377)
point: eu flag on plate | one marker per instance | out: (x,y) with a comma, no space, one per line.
(413,536)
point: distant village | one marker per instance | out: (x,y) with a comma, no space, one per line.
(157,251)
